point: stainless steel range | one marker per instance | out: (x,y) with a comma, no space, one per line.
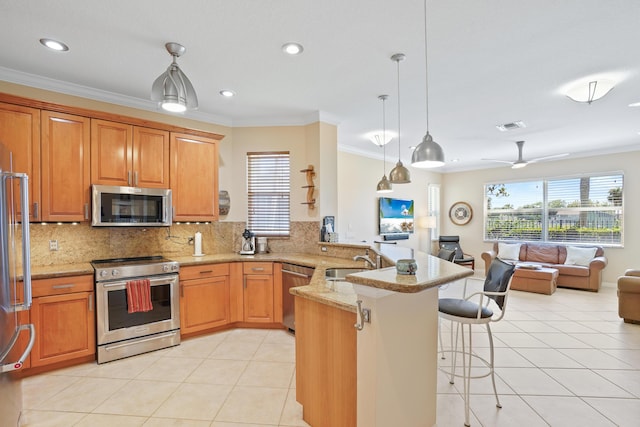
(121,333)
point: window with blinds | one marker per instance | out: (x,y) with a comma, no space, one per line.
(585,209)
(268,194)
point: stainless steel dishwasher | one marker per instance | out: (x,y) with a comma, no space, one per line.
(292,276)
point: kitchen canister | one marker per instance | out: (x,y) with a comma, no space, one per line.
(406,266)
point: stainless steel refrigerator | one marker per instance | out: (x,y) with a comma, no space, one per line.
(15,295)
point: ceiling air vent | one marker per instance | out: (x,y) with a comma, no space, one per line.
(511,126)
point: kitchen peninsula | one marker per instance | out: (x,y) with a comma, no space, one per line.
(384,374)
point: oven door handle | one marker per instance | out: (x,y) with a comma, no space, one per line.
(154,282)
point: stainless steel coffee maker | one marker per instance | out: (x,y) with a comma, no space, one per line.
(248,243)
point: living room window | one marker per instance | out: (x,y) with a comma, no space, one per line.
(268,193)
(585,209)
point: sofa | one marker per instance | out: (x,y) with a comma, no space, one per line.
(578,267)
(629,296)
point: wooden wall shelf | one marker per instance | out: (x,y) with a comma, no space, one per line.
(310,174)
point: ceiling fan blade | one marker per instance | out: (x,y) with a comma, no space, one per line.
(501,161)
(542,159)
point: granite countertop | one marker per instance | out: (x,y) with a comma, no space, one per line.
(341,295)
(432,271)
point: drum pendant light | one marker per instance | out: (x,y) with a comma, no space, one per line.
(172,89)
(399,174)
(428,154)
(384,186)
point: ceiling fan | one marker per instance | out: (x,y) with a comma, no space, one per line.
(520,163)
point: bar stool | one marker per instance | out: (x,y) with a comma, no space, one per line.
(465,312)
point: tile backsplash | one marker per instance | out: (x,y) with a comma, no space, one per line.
(79,243)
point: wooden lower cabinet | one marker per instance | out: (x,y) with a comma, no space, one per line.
(258,292)
(204,297)
(64,320)
(326,364)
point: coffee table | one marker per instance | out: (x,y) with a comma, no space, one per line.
(541,280)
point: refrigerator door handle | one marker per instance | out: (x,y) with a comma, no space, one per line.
(26,240)
(14,366)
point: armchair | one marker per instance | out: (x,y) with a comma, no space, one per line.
(453,243)
(629,296)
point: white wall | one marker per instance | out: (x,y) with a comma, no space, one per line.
(469,187)
(357,216)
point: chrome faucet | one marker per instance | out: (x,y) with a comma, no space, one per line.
(365,257)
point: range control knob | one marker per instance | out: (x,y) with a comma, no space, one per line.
(174,267)
(165,268)
(115,273)
(104,273)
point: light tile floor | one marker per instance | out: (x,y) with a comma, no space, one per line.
(561,360)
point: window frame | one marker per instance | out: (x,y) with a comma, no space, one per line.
(274,202)
(546,212)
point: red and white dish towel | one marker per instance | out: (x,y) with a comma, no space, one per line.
(139,296)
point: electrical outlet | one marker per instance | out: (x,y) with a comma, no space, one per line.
(53,245)
(323,248)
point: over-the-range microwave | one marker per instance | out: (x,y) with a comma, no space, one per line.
(114,206)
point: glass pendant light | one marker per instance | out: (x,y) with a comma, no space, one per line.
(428,154)
(399,174)
(384,186)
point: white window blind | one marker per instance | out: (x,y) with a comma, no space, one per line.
(514,211)
(585,209)
(268,193)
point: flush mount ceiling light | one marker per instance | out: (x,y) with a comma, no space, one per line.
(54,45)
(292,48)
(428,154)
(399,174)
(380,138)
(384,186)
(589,91)
(227,93)
(172,89)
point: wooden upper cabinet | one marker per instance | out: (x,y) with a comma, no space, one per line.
(20,134)
(129,156)
(194,177)
(66,163)
(150,158)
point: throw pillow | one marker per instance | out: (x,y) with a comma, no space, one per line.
(509,251)
(579,256)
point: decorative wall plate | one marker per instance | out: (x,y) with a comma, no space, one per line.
(460,213)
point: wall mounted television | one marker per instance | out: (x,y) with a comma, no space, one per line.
(396,216)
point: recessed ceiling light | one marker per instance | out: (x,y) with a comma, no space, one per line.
(54,45)
(227,93)
(455,160)
(635,104)
(292,48)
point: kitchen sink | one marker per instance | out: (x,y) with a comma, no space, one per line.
(340,273)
